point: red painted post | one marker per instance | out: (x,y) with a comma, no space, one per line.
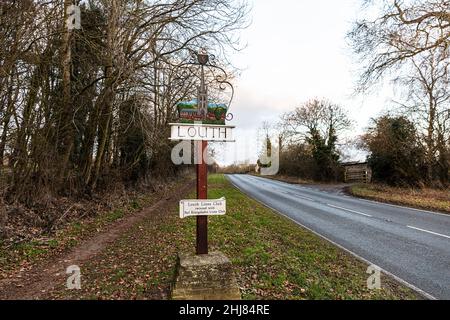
(202,194)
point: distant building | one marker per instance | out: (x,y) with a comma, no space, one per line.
(357,172)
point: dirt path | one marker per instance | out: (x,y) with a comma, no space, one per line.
(43,277)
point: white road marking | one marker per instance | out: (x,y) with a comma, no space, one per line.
(297,195)
(357,212)
(306,198)
(431,232)
(368,262)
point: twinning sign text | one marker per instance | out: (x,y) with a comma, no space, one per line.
(195,208)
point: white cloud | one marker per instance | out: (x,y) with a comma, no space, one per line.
(297,50)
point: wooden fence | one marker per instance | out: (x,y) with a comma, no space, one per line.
(358,173)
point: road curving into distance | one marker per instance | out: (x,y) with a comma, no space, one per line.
(412,245)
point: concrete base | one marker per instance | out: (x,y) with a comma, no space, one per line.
(205,277)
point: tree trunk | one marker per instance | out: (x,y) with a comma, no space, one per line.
(66,125)
(430,140)
(108,96)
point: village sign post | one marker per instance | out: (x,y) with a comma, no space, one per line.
(202,121)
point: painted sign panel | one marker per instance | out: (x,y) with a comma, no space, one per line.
(189,112)
(201,132)
(195,208)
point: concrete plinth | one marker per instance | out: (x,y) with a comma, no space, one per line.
(205,277)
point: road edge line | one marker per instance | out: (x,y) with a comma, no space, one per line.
(404,282)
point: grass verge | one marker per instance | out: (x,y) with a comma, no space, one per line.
(277,259)
(273,257)
(428,199)
(14,257)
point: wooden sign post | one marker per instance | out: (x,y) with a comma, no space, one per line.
(201,134)
(202,121)
(202,194)
(205,275)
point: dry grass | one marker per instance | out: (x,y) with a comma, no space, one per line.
(25,244)
(274,259)
(426,198)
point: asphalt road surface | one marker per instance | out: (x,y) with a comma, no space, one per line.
(412,245)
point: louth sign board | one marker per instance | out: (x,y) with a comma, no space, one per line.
(201,132)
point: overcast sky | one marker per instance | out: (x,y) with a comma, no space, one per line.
(296,50)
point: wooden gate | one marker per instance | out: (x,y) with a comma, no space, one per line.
(357,172)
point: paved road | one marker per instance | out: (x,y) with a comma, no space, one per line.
(413,245)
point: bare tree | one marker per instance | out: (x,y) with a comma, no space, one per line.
(428,104)
(313,131)
(81,107)
(316,115)
(401,30)
(410,42)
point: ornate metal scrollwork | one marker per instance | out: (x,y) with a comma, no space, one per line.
(224,83)
(209,61)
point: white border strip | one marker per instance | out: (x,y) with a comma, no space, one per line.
(409,285)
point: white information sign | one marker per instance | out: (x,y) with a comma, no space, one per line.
(195,208)
(201,132)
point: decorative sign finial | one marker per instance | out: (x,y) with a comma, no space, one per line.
(203,57)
